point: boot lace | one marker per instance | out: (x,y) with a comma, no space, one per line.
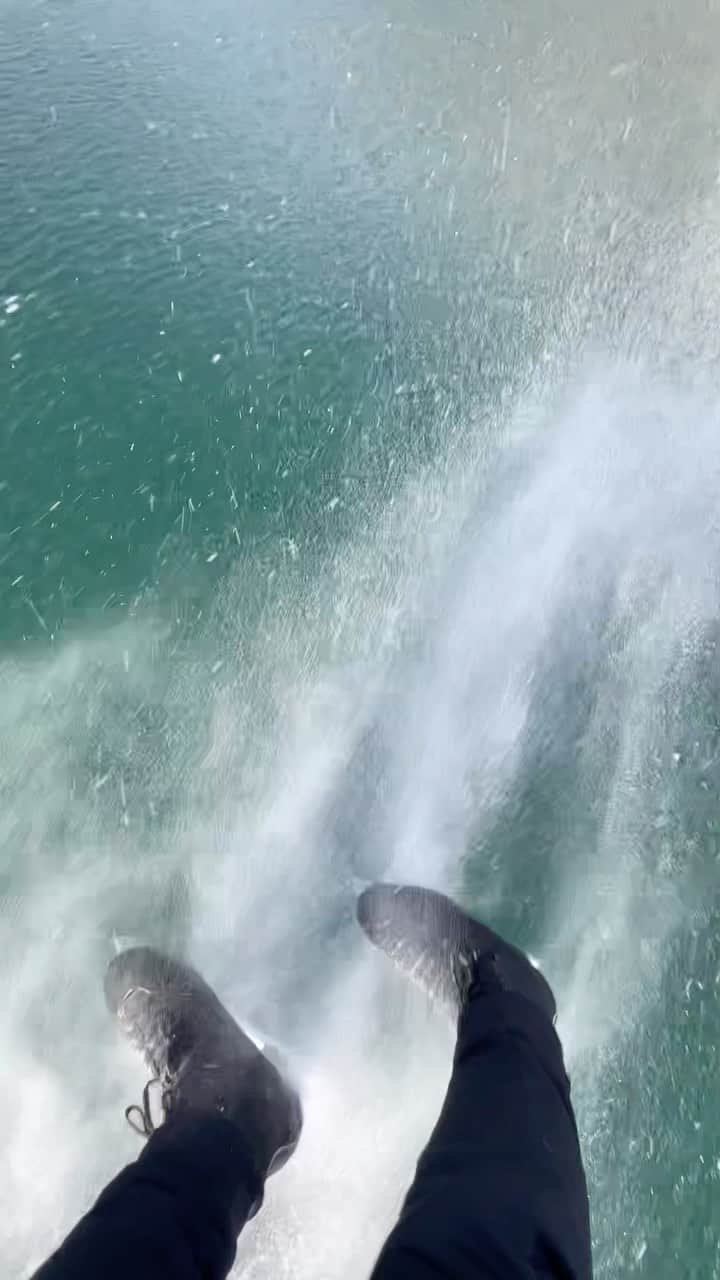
(139,1116)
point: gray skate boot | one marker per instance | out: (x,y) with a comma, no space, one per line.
(200,1059)
(444,950)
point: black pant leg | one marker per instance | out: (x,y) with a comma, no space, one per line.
(174,1214)
(500,1190)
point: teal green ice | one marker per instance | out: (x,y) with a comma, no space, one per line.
(358,519)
